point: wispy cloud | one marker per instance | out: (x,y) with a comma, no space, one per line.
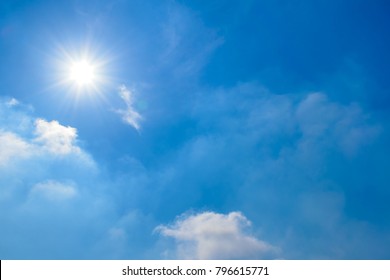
(12,102)
(188,42)
(12,146)
(346,126)
(129,114)
(54,190)
(211,235)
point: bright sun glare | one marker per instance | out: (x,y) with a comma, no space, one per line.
(82,73)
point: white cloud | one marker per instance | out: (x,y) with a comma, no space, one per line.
(51,137)
(27,141)
(12,147)
(210,235)
(129,115)
(56,138)
(53,190)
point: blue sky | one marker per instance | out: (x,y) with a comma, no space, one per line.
(211,130)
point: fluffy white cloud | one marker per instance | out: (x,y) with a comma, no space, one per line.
(210,235)
(56,138)
(129,115)
(53,190)
(50,138)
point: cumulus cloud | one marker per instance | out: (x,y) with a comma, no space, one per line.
(56,138)
(33,148)
(129,114)
(211,235)
(51,138)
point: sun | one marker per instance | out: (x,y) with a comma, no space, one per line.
(82,73)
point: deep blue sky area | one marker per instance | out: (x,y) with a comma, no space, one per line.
(194,129)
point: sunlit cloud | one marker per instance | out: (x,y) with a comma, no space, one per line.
(24,138)
(56,138)
(129,114)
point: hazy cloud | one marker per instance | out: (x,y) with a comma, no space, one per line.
(275,154)
(12,147)
(54,190)
(344,125)
(188,43)
(12,102)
